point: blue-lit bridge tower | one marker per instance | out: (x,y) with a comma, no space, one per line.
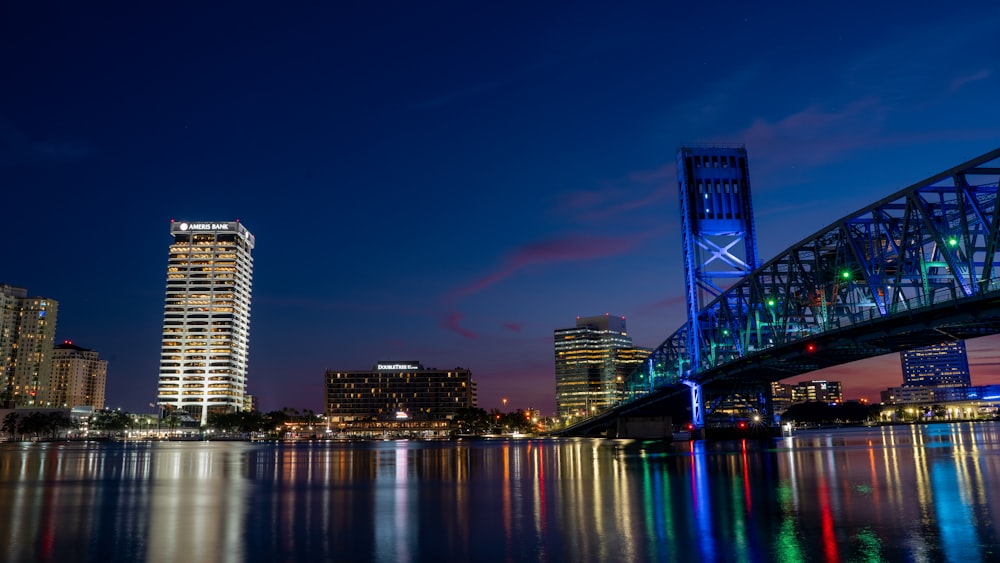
(720,243)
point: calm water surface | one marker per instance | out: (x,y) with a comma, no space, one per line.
(904,493)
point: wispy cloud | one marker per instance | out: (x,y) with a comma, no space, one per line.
(667,303)
(964,79)
(812,136)
(18,148)
(637,190)
(451,322)
(566,249)
(512,326)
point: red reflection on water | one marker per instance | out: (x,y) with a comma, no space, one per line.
(746,478)
(826,515)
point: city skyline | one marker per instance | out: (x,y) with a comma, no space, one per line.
(452,182)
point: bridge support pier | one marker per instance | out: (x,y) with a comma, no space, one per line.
(697,404)
(740,404)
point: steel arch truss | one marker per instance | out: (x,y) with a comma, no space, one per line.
(933,243)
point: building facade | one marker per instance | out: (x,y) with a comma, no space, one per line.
(398,390)
(592,360)
(27,331)
(919,394)
(941,365)
(784,395)
(206,319)
(830,392)
(79,377)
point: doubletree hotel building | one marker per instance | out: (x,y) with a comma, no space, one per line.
(206,319)
(398,390)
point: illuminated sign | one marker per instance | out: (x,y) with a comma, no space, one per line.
(396,366)
(204,226)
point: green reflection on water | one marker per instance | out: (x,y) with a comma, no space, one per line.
(788,542)
(869,547)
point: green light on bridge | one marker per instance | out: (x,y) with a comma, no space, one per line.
(770,302)
(846,274)
(952,242)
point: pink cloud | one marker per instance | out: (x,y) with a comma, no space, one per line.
(451,322)
(637,190)
(513,327)
(814,135)
(667,303)
(573,248)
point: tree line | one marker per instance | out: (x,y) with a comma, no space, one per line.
(116,423)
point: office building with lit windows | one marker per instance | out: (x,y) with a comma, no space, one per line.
(27,331)
(79,377)
(398,390)
(941,365)
(592,359)
(206,319)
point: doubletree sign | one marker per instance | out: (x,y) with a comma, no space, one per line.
(381,367)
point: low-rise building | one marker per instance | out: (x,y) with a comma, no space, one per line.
(398,390)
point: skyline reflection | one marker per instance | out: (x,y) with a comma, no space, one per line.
(891,493)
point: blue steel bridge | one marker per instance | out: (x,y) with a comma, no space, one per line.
(919,267)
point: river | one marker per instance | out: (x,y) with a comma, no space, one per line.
(895,493)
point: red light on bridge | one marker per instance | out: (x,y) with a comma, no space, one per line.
(742,424)
(810,347)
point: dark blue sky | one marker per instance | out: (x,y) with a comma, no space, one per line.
(449,182)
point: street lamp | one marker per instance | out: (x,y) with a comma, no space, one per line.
(504,403)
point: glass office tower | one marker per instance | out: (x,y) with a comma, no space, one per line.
(941,365)
(206,319)
(591,360)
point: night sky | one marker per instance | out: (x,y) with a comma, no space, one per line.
(449,182)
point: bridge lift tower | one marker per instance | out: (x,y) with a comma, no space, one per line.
(720,242)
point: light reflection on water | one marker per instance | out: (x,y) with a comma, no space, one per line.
(904,493)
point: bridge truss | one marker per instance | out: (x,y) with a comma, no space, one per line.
(904,272)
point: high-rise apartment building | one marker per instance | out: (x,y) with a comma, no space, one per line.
(206,319)
(78,377)
(592,360)
(394,390)
(941,365)
(27,331)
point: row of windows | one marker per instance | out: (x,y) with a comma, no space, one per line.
(191,372)
(197,378)
(198,386)
(212,395)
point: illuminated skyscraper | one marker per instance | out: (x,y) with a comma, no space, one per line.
(206,319)
(27,330)
(942,365)
(592,359)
